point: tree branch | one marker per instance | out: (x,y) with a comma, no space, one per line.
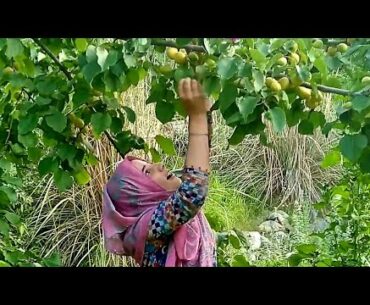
(333,90)
(113,143)
(167,43)
(327,89)
(52,56)
(65,71)
(188,47)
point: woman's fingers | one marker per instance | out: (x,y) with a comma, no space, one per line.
(194,88)
(181,89)
(185,89)
(200,90)
(190,89)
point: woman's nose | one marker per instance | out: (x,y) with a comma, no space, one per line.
(158,167)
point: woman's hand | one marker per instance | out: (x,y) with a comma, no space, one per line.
(196,105)
(193,97)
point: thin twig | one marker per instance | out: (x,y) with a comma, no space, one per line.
(52,56)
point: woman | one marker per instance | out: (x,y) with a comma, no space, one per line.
(154,216)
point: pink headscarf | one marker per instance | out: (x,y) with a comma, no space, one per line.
(129,200)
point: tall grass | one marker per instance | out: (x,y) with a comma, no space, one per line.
(226,208)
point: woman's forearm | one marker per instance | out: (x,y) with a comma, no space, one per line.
(198,147)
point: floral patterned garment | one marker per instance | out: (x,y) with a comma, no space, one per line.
(170,214)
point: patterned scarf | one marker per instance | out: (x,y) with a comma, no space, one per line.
(129,200)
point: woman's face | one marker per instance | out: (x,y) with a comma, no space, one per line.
(158,174)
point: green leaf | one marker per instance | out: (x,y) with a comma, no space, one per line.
(295,259)
(52,261)
(331,159)
(320,64)
(111,59)
(4,200)
(5,164)
(183,72)
(164,112)
(277,43)
(183,41)
(101,121)
(10,193)
(63,180)
(91,54)
(351,146)
(227,96)
(91,70)
(14,48)
(332,81)
(4,228)
(27,124)
(4,264)
(238,135)
(239,261)
(130,61)
(246,105)
(278,119)
(212,85)
(317,119)
(360,102)
(305,127)
(142,73)
(333,62)
(81,176)
(179,108)
(12,180)
(2,43)
(13,218)
(91,159)
(258,57)
(81,44)
(102,56)
(235,241)
(80,96)
(234,118)
(156,157)
(28,140)
(17,149)
(303,73)
(34,154)
(26,66)
(47,86)
(364,161)
(47,165)
(66,152)
(166,145)
(245,70)
(258,80)
(227,67)
(123,142)
(306,248)
(133,76)
(57,121)
(116,125)
(13,257)
(42,101)
(131,115)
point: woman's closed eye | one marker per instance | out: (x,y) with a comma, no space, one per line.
(145,170)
